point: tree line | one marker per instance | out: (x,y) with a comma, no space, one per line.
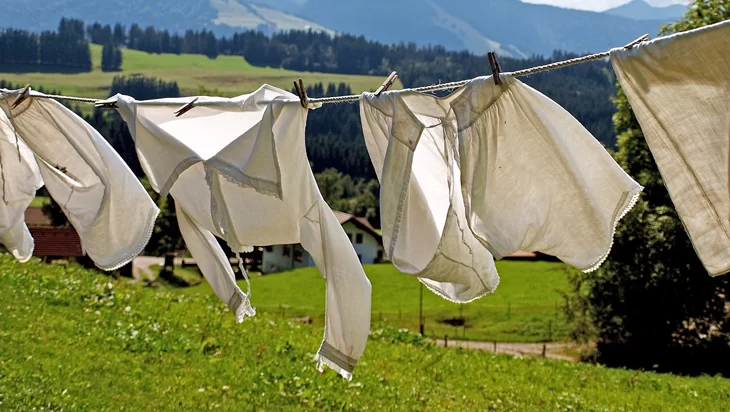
(652,305)
(584,90)
(65,48)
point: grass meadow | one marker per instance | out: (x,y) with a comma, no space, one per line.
(230,75)
(74,339)
(527,306)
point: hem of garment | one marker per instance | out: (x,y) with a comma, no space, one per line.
(714,275)
(239,178)
(26,259)
(179,169)
(336,360)
(634,197)
(241,306)
(440,294)
(141,245)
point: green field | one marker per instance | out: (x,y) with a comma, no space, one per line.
(231,75)
(73,339)
(39,201)
(527,306)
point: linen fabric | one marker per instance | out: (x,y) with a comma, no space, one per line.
(106,204)
(679,89)
(413,145)
(20,180)
(534,179)
(238,169)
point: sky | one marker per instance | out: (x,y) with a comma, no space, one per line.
(601,5)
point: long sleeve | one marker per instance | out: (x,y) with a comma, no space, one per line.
(102,198)
(214,264)
(347,317)
(20,179)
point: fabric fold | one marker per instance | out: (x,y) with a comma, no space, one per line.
(238,169)
(679,89)
(534,179)
(412,142)
(106,204)
(20,179)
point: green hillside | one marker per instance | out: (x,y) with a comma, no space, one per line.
(231,75)
(73,339)
(527,306)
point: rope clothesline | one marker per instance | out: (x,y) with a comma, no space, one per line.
(315,102)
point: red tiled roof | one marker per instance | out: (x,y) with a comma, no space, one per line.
(522,255)
(34,217)
(359,221)
(56,241)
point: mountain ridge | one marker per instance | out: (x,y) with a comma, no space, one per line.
(641,10)
(509,27)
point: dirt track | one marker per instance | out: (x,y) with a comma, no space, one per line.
(552,350)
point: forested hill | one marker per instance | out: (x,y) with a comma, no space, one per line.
(511,27)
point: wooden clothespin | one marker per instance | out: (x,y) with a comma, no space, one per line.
(637,41)
(110,103)
(301,93)
(21,97)
(387,83)
(494,66)
(186,108)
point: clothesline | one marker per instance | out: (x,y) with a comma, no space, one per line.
(315,102)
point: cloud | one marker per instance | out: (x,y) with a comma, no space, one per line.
(601,5)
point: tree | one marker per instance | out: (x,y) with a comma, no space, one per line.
(111,58)
(55,214)
(166,237)
(652,304)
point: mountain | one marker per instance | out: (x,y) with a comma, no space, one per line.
(641,10)
(509,27)
(224,17)
(517,28)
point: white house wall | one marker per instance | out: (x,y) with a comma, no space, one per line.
(275,260)
(368,249)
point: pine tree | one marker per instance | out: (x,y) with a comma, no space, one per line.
(652,304)
(111,58)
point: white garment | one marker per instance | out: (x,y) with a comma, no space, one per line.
(412,142)
(106,204)
(20,181)
(214,264)
(534,178)
(238,168)
(679,89)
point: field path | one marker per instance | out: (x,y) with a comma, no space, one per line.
(552,350)
(141,267)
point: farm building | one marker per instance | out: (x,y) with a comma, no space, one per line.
(368,245)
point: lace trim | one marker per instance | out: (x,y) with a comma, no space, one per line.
(622,212)
(237,177)
(141,245)
(241,306)
(240,302)
(490,289)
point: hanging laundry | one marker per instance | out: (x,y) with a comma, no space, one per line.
(106,204)
(679,89)
(237,169)
(20,179)
(534,178)
(413,145)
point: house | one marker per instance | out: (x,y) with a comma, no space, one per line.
(52,242)
(365,239)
